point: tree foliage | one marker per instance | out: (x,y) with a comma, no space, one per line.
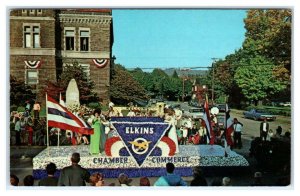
(175,74)
(270,32)
(260,69)
(20,92)
(256,81)
(159,84)
(85,85)
(124,88)
(143,78)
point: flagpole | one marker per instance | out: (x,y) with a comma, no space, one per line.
(207,128)
(212,137)
(225,130)
(58,129)
(47,120)
(58,132)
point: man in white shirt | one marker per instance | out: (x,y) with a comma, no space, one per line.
(237,126)
(131,113)
(264,129)
(185,131)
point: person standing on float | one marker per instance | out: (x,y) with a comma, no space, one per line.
(95,138)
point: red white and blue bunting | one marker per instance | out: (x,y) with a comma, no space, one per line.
(100,63)
(33,64)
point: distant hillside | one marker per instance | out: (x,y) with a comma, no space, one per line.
(185,72)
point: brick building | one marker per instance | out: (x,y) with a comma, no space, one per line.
(198,92)
(43,41)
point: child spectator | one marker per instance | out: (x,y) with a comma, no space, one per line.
(28,180)
(14,180)
(144,181)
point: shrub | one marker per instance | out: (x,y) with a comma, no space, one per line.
(13,108)
(94,105)
(21,109)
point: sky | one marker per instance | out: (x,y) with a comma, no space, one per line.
(175,38)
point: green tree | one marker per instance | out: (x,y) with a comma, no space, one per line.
(159,77)
(144,78)
(124,88)
(85,85)
(267,42)
(256,79)
(225,85)
(175,74)
(168,86)
(270,32)
(20,92)
(158,83)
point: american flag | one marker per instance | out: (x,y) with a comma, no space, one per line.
(229,127)
(207,120)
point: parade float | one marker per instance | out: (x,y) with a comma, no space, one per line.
(141,149)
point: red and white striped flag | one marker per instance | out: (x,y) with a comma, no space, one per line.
(229,127)
(207,120)
(58,116)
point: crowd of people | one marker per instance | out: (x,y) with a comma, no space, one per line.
(30,129)
(24,125)
(75,175)
(184,130)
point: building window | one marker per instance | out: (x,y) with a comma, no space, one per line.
(32,76)
(69,41)
(84,40)
(24,12)
(36,37)
(27,36)
(31,36)
(39,12)
(32,12)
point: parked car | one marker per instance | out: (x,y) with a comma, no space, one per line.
(141,103)
(194,104)
(221,118)
(221,107)
(258,114)
(152,101)
(195,113)
(174,106)
(286,104)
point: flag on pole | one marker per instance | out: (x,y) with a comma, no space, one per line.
(61,101)
(58,116)
(206,118)
(229,126)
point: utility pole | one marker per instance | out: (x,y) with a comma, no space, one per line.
(182,89)
(213,79)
